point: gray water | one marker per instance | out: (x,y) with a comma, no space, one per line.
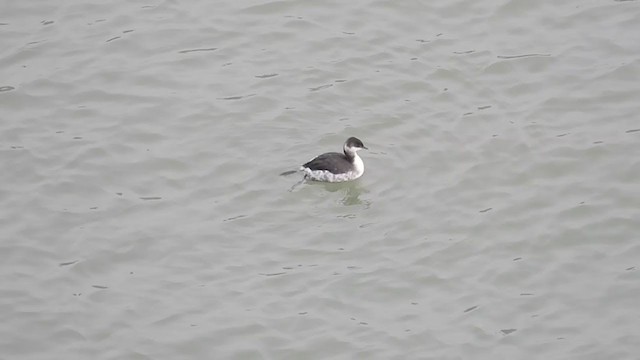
(143,215)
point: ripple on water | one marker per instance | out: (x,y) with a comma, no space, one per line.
(495,219)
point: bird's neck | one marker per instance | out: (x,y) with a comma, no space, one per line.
(350,153)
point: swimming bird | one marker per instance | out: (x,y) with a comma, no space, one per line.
(334,166)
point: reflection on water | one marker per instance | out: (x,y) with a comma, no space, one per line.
(351,191)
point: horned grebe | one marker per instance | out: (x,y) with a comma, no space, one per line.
(336,167)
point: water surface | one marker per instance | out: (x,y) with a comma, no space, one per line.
(143,216)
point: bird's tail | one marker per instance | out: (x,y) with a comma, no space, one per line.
(290,172)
